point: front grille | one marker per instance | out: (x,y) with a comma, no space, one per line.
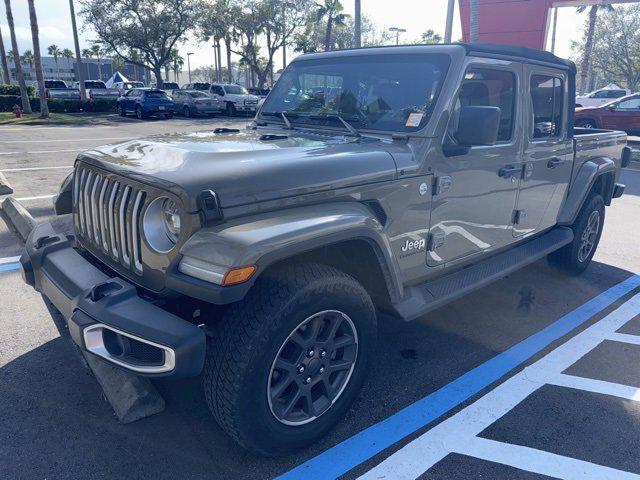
(107,215)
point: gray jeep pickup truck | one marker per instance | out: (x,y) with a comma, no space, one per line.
(391,179)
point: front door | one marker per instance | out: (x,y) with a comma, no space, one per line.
(624,115)
(475,193)
(548,154)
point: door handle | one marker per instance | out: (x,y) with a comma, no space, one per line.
(554,162)
(509,171)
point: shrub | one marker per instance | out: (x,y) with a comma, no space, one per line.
(10,89)
(59,106)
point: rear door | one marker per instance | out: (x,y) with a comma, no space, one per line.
(475,193)
(548,152)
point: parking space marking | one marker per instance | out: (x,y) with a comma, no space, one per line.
(596,386)
(26,169)
(459,433)
(544,463)
(9,266)
(350,453)
(39,197)
(43,151)
(6,260)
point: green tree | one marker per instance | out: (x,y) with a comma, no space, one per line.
(15,53)
(55,52)
(616,47)
(67,54)
(35,37)
(96,51)
(151,27)
(117,63)
(430,37)
(331,12)
(27,57)
(585,63)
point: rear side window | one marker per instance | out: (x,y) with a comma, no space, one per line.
(485,87)
(633,104)
(546,99)
(616,93)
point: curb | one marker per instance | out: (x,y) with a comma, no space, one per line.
(19,218)
(131,397)
(5,188)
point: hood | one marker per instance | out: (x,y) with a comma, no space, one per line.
(247,166)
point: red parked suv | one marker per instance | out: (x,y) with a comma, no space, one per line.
(622,114)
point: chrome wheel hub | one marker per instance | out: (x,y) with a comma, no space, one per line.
(589,236)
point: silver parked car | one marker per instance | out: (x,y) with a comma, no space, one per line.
(195,102)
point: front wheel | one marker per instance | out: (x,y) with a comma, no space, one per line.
(123,111)
(139,113)
(186,111)
(286,363)
(575,257)
(231,109)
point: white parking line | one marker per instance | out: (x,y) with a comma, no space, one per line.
(43,151)
(67,140)
(41,197)
(459,433)
(26,169)
(9,260)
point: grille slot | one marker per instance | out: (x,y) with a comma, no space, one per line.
(108,212)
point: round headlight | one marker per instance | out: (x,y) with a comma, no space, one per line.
(161,224)
(171,216)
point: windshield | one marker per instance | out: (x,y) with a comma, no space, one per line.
(156,94)
(380,92)
(55,84)
(90,84)
(235,89)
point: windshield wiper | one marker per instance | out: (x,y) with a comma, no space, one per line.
(282,115)
(346,124)
(286,121)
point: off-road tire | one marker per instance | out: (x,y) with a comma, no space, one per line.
(245,342)
(568,258)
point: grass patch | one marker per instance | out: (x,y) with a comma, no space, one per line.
(8,118)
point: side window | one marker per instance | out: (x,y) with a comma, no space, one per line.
(547,102)
(485,87)
(631,104)
(616,93)
(601,94)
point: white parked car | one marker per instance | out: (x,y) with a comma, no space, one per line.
(236,98)
(600,97)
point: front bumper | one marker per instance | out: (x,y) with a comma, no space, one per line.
(106,316)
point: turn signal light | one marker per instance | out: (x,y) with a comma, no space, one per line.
(238,275)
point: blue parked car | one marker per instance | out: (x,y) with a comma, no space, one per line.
(145,102)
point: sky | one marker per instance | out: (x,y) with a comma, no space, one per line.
(415,16)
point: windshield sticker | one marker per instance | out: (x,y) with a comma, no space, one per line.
(414,119)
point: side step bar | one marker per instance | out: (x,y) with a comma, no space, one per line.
(423,298)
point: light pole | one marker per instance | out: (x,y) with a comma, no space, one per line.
(357,34)
(449,26)
(189,64)
(398,31)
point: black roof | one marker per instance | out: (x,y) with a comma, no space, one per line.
(517,51)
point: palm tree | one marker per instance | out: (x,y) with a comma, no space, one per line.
(585,64)
(118,63)
(35,36)
(68,55)
(332,11)
(178,63)
(27,57)
(26,106)
(3,59)
(97,51)
(54,51)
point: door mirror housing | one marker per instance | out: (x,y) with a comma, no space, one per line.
(478,126)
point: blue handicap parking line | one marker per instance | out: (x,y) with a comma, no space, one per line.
(9,266)
(350,453)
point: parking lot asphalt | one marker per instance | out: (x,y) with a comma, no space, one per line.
(534,376)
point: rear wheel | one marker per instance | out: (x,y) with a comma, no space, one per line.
(139,113)
(286,363)
(586,123)
(575,257)
(123,111)
(186,111)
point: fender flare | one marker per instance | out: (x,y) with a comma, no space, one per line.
(582,184)
(268,238)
